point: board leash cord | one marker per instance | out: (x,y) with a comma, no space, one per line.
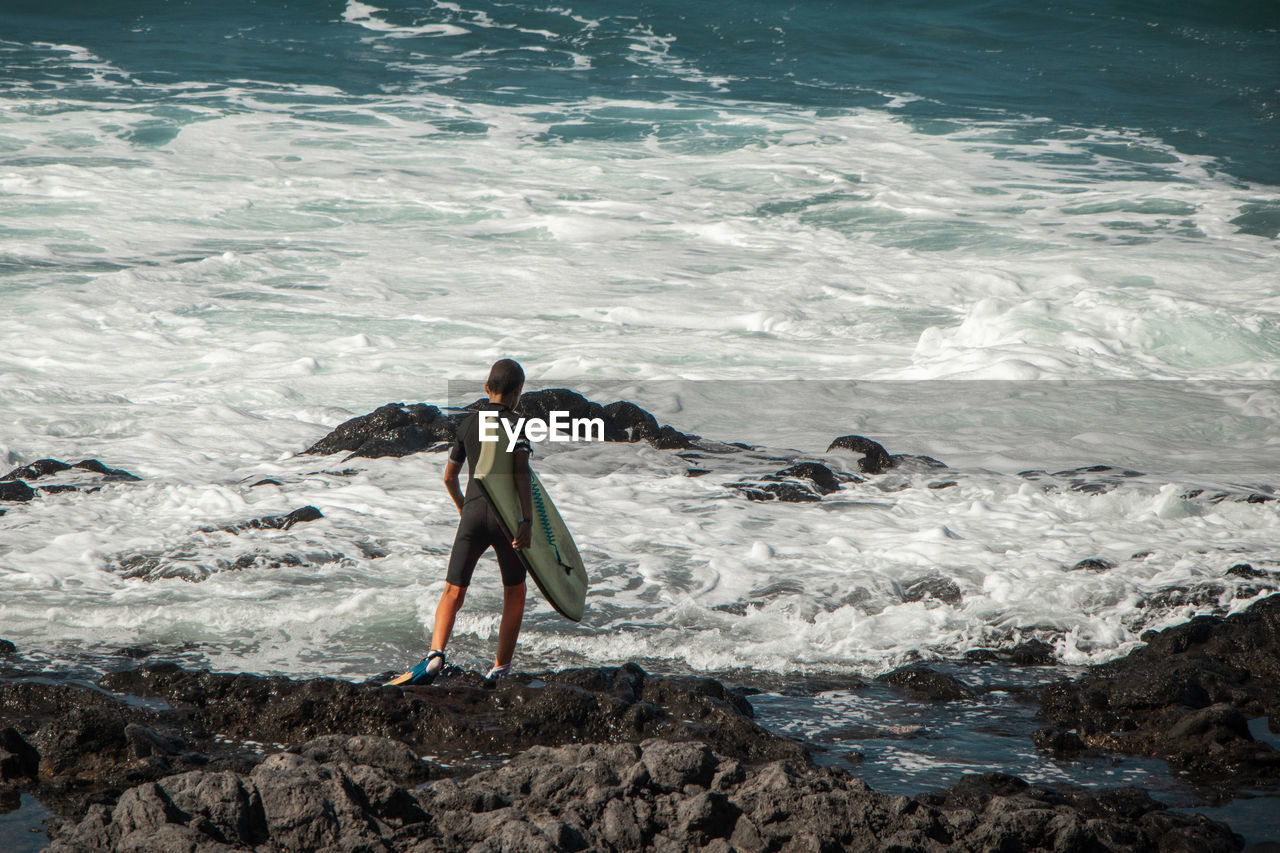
(540,505)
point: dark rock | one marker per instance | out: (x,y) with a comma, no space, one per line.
(7,648)
(36,470)
(278,522)
(16,490)
(635,423)
(602,797)
(824,480)
(1033,653)
(786,492)
(670,438)
(875,459)
(269,481)
(108,473)
(1093,564)
(18,759)
(391,430)
(1246,571)
(942,589)
(1184,697)
(925,683)
(1061,744)
(1174,597)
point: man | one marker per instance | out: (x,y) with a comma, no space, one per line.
(480,528)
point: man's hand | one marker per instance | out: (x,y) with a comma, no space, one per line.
(524,533)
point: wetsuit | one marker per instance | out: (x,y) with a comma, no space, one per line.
(480,528)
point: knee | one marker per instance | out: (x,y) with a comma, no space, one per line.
(514,593)
(453,594)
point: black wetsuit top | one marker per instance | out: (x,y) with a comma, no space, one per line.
(480,527)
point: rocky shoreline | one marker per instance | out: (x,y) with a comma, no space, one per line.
(162,758)
(158,757)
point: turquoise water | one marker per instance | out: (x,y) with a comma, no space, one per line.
(1202,76)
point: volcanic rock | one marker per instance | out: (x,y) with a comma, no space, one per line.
(1186,697)
(656,795)
(925,683)
(391,430)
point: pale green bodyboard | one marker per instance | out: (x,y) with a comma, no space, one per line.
(552,557)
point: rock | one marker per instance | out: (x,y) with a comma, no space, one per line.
(635,423)
(1185,697)
(942,589)
(108,473)
(1033,653)
(608,797)
(1246,571)
(392,757)
(391,430)
(16,490)
(36,470)
(1061,744)
(7,648)
(278,522)
(672,766)
(785,492)
(18,759)
(925,683)
(1093,564)
(875,459)
(824,480)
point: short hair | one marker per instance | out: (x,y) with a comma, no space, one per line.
(505,377)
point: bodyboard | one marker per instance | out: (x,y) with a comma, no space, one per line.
(552,557)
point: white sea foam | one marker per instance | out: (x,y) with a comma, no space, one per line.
(198,306)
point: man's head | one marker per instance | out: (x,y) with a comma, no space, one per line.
(506,379)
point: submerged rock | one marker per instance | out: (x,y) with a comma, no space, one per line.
(939,588)
(1185,697)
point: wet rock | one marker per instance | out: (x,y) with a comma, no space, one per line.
(824,480)
(1093,564)
(785,492)
(36,470)
(1033,653)
(391,430)
(18,759)
(7,648)
(278,522)
(635,423)
(875,459)
(269,481)
(925,683)
(1184,697)
(16,490)
(1061,744)
(1246,571)
(108,473)
(940,588)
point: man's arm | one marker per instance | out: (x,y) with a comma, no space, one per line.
(451,470)
(524,491)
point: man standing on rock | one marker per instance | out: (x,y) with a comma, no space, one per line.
(480,528)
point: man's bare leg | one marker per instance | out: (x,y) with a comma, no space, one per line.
(446,614)
(509,628)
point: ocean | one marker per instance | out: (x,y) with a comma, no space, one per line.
(1015,237)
